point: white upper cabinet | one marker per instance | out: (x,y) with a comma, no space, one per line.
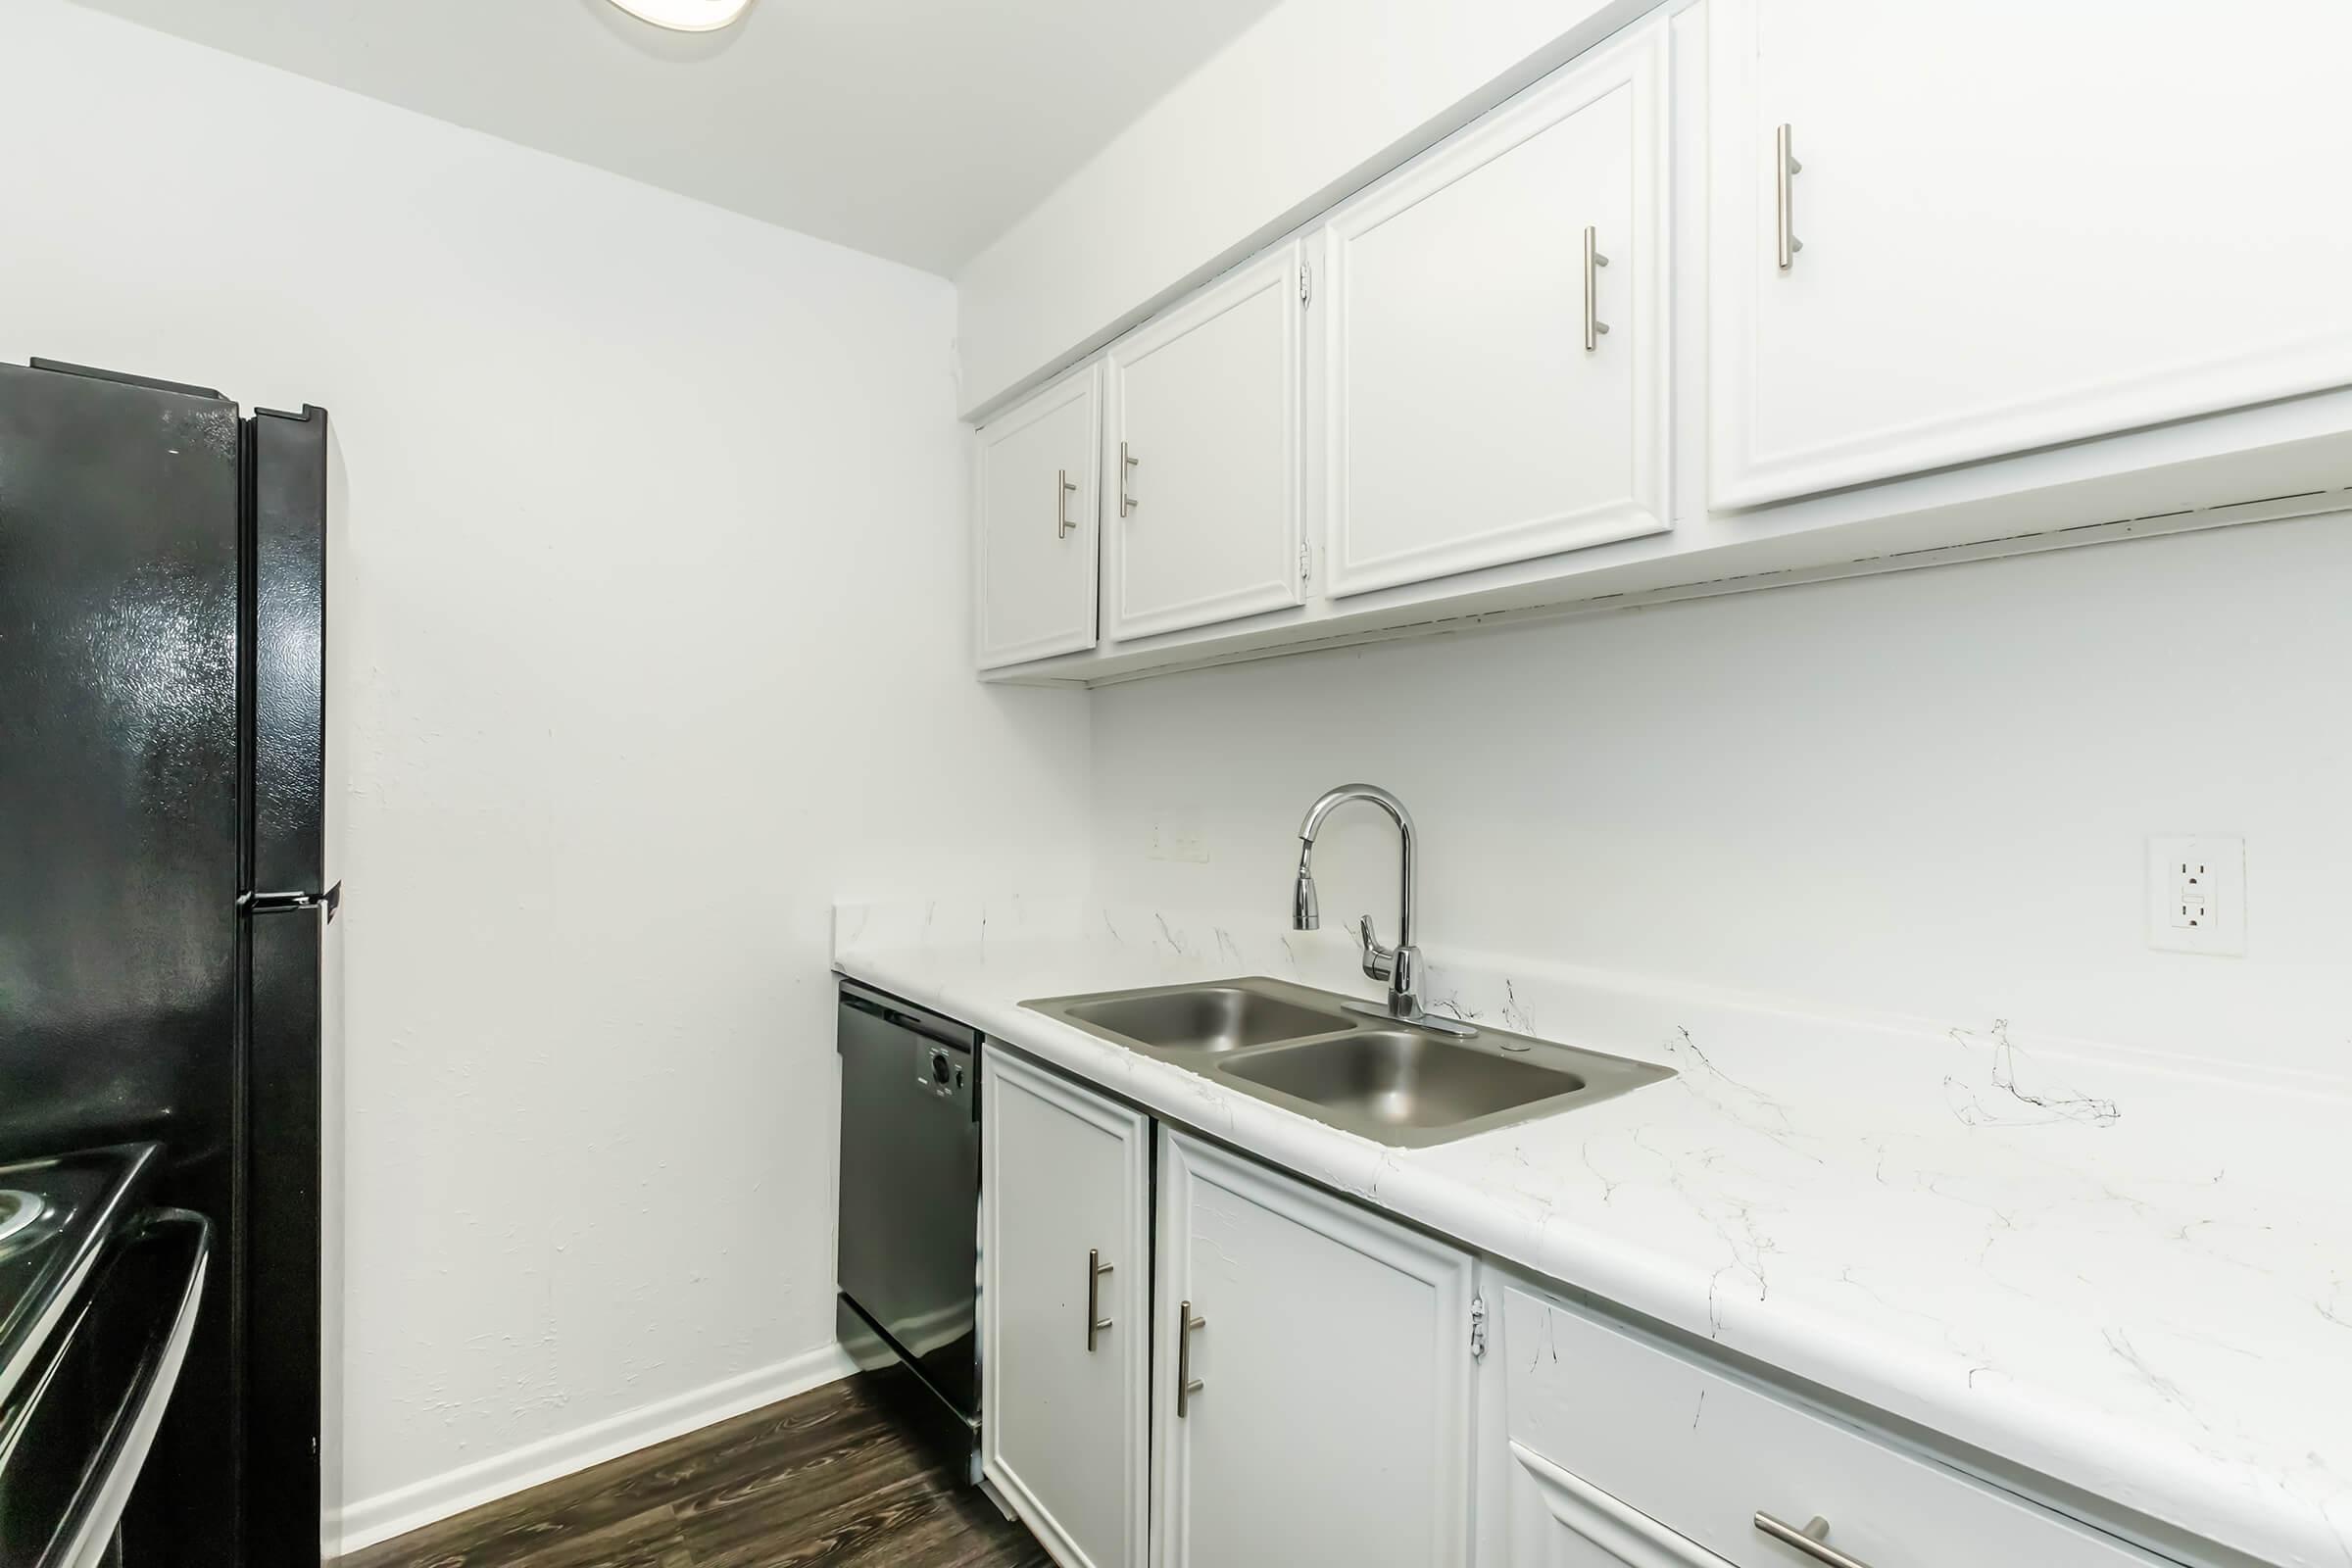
(1035,489)
(1496,351)
(1066,1297)
(1202,457)
(1942,234)
(1311,1376)
(1777,251)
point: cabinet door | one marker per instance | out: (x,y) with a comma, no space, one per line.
(2020,224)
(1065,1293)
(1202,457)
(1331,1351)
(1495,352)
(1034,506)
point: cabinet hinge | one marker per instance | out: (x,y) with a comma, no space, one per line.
(1478,1328)
(1306,288)
(1305,568)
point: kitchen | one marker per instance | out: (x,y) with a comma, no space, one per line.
(1826,523)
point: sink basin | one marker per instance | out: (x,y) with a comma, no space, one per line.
(1391,1082)
(1404,1079)
(1204,1018)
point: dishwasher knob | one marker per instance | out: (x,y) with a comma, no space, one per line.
(939,1068)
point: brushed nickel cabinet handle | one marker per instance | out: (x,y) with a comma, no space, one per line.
(1595,326)
(1786,168)
(1127,460)
(1813,1539)
(1187,1385)
(1064,487)
(1095,1323)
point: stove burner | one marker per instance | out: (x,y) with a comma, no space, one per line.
(19,1211)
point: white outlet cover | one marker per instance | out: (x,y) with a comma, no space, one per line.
(2196,894)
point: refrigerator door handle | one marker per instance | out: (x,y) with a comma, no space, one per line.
(281,903)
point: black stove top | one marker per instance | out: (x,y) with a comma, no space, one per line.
(56,1215)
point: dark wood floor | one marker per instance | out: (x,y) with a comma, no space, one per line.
(828,1478)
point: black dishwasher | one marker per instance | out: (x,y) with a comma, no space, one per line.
(909,1263)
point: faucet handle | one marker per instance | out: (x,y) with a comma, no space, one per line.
(1379,964)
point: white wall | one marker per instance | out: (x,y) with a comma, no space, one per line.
(1926,793)
(1315,99)
(658,603)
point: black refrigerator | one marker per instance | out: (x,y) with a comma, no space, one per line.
(169,933)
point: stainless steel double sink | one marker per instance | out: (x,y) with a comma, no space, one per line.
(1388,1081)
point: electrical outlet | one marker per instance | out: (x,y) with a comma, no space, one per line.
(2197,895)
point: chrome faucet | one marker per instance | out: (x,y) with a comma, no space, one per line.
(1400,965)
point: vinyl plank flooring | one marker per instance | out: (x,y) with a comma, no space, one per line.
(827,1480)
(650,1538)
(877,1526)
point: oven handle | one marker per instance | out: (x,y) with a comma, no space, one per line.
(89,1527)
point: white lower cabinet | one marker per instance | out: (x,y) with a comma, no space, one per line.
(1065,1303)
(1193,1360)
(1612,1448)
(1318,1410)
(1312,1376)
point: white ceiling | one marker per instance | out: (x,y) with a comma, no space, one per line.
(916,129)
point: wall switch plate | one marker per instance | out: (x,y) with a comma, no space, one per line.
(2197,895)
(1176,836)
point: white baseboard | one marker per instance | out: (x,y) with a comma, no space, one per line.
(405,1508)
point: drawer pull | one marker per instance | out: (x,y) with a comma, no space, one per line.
(1187,1385)
(1813,1539)
(1064,487)
(1127,463)
(1095,1323)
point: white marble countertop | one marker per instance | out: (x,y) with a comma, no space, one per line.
(2129,1276)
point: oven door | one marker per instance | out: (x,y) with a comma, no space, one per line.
(76,1427)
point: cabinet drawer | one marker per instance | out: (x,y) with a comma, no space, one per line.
(1704,1454)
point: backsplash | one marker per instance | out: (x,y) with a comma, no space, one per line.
(1926,794)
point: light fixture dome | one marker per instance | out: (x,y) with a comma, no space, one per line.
(687,15)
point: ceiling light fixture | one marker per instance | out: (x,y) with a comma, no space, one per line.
(687,15)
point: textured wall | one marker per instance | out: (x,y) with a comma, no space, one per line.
(657,604)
